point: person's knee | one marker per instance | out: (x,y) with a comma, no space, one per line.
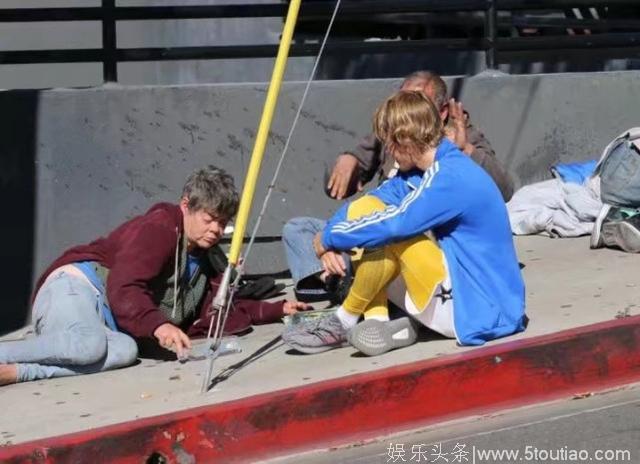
(124,352)
(291,228)
(419,249)
(301,228)
(364,205)
(297,224)
(91,347)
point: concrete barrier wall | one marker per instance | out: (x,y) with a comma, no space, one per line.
(78,162)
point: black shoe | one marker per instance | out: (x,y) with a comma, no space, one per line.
(311,290)
(259,289)
(338,288)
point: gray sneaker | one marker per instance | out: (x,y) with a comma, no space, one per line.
(373,337)
(303,320)
(623,234)
(323,334)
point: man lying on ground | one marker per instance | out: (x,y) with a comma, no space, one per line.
(466,284)
(354,169)
(153,277)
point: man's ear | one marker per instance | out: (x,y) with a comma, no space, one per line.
(444,111)
(184,205)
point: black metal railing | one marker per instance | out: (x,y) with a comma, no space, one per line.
(506,26)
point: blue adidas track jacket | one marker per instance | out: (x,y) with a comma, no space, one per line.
(457,200)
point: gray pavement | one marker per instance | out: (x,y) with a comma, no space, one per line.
(600,428)
(568,285)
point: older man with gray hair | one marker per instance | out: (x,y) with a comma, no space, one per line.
(153,277)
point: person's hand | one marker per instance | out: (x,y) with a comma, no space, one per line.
(456,129)
(333,263)
(291,307)
(343,176)
(172,338)
(317,245)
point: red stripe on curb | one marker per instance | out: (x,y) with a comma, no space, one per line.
(365,405)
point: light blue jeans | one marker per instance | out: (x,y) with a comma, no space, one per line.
(70,335)
(297,238)
(620,176)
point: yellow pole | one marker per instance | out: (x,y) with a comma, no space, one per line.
(220,301)
(263,131)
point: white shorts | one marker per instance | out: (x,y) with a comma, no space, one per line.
(437,315)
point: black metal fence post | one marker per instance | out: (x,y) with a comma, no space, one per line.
(490,32)
(109,59)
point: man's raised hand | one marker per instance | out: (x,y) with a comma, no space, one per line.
(343,175)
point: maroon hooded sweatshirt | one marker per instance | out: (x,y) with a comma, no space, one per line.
(139,251)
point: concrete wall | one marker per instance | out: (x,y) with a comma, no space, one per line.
(78,162)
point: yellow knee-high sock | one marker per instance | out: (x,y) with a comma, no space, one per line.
(419,260)
(377,306)
(375,271)
(421,267)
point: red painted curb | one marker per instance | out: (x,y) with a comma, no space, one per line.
(351,408)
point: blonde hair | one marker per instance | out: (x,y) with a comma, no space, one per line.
(408,119)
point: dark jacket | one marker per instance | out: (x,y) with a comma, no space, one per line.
(137,254)
(373,160)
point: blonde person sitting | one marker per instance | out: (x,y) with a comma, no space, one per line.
(465,283)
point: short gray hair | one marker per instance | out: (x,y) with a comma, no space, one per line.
(433,79)
(211,189)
